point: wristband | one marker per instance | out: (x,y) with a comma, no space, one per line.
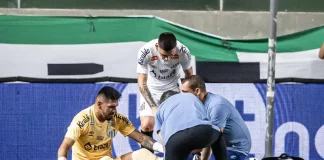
(158,147)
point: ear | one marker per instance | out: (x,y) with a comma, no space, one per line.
(156,46)
(99,103)
(197,90)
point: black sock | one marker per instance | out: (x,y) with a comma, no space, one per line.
(150,134)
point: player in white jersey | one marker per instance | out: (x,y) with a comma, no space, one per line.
(158,70)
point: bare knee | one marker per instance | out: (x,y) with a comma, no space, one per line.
(127,156)
(144,154)
(147,123)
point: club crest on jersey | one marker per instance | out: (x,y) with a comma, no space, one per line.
(111,133)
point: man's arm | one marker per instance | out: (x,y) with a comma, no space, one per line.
(188,72)
(321,52)
(185,60)
(146,141)
(218,115)
(142,84)
(64,148)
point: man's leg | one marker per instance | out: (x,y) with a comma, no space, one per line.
(146,118)
(147,125)
(205,136)
(177,147)
(141,154)
(144,154)
(219,148)
(184,142)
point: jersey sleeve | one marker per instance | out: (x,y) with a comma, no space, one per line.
(77,127)
(219,114)
(185,57)
(143,59)
(125,125)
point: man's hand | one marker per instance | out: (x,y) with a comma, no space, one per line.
(65,147)
(188,72)
(321,52)
(196,151)
(206,153)
(146,141)
(154,109)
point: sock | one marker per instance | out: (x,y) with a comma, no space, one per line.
(150,134)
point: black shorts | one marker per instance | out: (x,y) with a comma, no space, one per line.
(183,142)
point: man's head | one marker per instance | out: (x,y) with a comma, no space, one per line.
(166,45)
(107,101)
(196,85)
(166,95)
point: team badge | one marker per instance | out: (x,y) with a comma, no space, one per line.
(111,133)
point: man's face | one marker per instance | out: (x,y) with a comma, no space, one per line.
(108,108)
(185,88)
(165,54)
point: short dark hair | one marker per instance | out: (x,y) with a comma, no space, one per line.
(195,81)
(167,94)
(167,41)
(109,93)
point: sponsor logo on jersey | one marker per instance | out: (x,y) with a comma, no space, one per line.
(164,70)
(184,50)
(154,58)
(175,65)
(100,147)
(87,146)
(142,107)
(122,118)
(159,77)
(168,76)
(153,73)
(144,54)
(176,56)
(100,138)
(86,119)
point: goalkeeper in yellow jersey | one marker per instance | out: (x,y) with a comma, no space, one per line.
(92,130)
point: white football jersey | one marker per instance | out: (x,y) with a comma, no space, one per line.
(162,75)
